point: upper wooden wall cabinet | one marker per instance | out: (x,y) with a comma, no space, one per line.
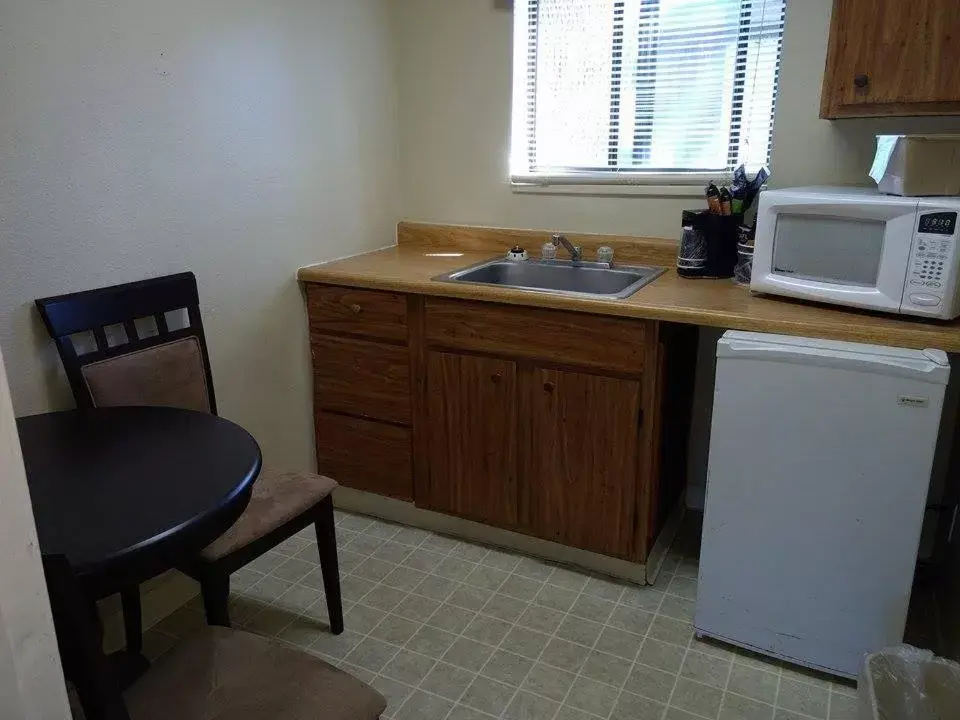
(892,57)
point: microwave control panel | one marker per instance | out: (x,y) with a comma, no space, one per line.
(938,223)
(933,259)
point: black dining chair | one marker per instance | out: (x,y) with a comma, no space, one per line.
(145,346)
(217,672)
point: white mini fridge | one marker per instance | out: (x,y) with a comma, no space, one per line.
(820,461)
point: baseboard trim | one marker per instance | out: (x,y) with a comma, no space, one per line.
(406,513)
(696,497)
(658,553)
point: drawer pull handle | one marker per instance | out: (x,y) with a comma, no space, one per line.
(355,308)
(861,81)
(496,377)
(549,387)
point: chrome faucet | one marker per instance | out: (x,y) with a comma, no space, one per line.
(576,252)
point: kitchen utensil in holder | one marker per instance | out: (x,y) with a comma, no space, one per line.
(708,247)
(744,268)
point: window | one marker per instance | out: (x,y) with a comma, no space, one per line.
(634,91)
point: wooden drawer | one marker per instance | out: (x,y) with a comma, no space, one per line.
(365,455)
(357,312)
(360,377)
(606,343)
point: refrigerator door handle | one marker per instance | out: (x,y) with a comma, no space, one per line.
(812,355)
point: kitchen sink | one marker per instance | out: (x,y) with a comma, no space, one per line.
(565,277)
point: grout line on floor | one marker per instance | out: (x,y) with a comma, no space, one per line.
(554,636)
(776,697)
(676,681)
(726,686)
(372,530)
(633,663)
(496,650)
(423,624)
(551,636)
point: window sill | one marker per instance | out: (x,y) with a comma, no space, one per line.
(609,190)
(621,185)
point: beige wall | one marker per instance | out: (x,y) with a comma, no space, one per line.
(236,138)
(454,81)
(31,681)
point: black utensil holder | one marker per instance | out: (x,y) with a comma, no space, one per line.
(719,234)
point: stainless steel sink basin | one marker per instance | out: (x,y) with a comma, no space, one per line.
(587,279)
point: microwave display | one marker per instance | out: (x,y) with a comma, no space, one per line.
(940,223)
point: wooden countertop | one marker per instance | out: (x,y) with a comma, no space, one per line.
(425,251)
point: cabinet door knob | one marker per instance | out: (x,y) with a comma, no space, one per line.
(549,386)
(496,377)
(355,308)
(861,81)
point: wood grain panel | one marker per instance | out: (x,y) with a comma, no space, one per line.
(365,454)
(628,248)
(579,471)
(904,53)
(418,397)
(891,110)
(360,377)
(357,312)
(472,438)
(609,344)
(649,457)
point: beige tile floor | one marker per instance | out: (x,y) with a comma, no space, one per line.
(451,630)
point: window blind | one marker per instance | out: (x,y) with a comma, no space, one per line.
(622,90)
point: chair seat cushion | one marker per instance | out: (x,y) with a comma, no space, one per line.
(222,674)
(277,498)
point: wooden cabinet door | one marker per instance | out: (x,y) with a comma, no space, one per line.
(472,409)
(579,467)
(892,57)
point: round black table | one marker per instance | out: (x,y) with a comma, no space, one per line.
(126,493)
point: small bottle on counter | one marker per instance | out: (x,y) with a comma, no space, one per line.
(517,254)
(548,251)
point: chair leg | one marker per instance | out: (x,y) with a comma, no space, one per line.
(327,547)
(132,619)
(215,588)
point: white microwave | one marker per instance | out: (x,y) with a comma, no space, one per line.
(856,247)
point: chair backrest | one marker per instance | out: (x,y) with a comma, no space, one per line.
(80,640)
(136,356)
